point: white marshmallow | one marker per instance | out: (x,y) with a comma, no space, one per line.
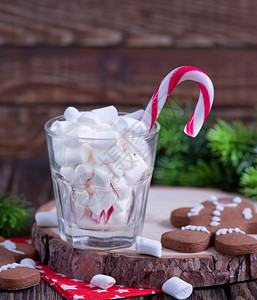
(76,155)
(128,126)
(97,185)
(82,173)
(136,114)
(177,288)
(119,217)
(102,156)
(138,146)
(116,168)
(103,172)
(104,140)
(133,175)
(122,188)
(77,136)
(28,262)
(89,119)
(104,127)
(148,246)
(68,173)
(119,166)
(101,200)
(109,199)
(79,212)
(71,114)
(122,205)
(96,202)
(55,126)
(62,127)
(85,222)
(59,150)
(82,198)
(46,219)
(103,281)
(108,114)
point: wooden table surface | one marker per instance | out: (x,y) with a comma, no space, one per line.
(31,177)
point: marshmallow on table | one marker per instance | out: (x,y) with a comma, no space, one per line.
(28,262)
(46,219)
(88,118)
(103,281)
(76,155)
(108,114)
(148,246)
(71,114)
(177,288)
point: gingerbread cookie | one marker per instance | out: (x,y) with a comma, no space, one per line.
(223,223)
(17,267)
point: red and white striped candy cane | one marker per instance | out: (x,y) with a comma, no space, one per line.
(167,85)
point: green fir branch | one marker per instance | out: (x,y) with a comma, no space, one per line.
(15,215)
(234,144)
(248,182)
(223,155)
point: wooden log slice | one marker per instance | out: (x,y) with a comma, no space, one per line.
(206,268)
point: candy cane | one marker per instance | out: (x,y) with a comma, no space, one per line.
(167,85)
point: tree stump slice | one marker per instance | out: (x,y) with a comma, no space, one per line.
(206,268)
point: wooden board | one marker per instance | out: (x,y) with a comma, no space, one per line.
(130,269)
(124,77)
(130,23)
(121,76)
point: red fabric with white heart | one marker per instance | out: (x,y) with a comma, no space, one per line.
(71,288)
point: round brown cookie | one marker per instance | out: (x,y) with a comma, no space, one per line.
(187,241)
(16,272)
(237,244)
(223,223)
(19,278)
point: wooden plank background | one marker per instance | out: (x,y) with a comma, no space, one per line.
(92,53)
(89,53)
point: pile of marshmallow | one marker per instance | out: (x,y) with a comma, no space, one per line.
(102,156)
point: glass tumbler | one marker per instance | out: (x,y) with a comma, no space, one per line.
(101,186)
